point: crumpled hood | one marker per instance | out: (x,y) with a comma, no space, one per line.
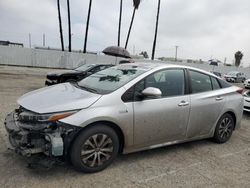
(58,98)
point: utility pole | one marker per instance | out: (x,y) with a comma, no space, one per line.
(87,28)
(29,40)
(156,29)
(69,25)
(176,52)
(43,40)
(133,49)
(120,20)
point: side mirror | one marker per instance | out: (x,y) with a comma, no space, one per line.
(152,92)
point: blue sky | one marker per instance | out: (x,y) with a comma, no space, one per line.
(202,28)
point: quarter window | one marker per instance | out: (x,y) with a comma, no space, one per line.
(215,83)
(200,82)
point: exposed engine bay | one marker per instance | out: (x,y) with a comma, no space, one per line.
(31,133)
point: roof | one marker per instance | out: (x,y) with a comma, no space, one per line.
(149,65)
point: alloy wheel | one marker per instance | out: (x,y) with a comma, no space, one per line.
(225,128)
(96,150)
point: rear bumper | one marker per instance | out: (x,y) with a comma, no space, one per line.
(247,85)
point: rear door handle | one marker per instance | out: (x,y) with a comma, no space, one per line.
(219,98)
(183,103)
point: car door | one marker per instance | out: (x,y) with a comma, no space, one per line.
(158,120)
(207,101)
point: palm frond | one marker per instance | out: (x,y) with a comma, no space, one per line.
(136,3)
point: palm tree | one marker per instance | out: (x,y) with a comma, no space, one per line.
(87,27)
(156,29)
(120,19)
(238,57)
(136,6)
(69,25)
(60,24)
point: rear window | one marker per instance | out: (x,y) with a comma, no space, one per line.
(224,84)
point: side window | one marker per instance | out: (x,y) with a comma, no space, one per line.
(170,82)
(215,83)
(103,67)
(94,70)
(200,82)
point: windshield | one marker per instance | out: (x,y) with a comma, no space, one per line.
(110,79)
(233,73)
(84,67)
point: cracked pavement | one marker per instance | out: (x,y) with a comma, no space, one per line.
(195,164)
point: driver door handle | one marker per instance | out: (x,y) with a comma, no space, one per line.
(183,103)
(219,98)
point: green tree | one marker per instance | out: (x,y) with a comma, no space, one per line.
(136,6)
(238,57)
(87,27)
(60,24)
(156,29)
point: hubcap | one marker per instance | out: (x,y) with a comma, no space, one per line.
(226,128)
(96,150)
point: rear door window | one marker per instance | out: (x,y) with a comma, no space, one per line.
(200,82)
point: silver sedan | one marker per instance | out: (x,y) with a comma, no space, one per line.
(124,109)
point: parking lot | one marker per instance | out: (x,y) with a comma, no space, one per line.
(196,164)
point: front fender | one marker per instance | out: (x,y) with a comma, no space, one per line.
(121,115)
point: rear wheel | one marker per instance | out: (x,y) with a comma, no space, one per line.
(94,149)
(224,129)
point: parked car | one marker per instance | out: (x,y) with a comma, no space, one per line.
(216,73)
(235,76)
(74,75)
(124,109)
(247,83)
(247,101)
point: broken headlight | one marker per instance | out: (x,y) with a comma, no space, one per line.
(28,116)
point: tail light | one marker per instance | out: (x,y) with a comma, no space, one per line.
(240,90)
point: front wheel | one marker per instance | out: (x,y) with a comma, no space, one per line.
(224,129)
(94,149)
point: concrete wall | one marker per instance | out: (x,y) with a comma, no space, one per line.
(58,59)
(49,58)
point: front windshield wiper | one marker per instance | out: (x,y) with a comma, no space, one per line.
(87,88)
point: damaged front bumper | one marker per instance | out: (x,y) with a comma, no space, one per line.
(51,139)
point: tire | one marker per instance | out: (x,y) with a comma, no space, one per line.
(224,129)
(94,149)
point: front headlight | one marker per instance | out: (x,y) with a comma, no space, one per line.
(27,116)
(57,117)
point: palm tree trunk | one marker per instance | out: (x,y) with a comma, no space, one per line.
(120,19)
(69,25)
(60,24)
(156,29)
(87,27)
(130,27)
